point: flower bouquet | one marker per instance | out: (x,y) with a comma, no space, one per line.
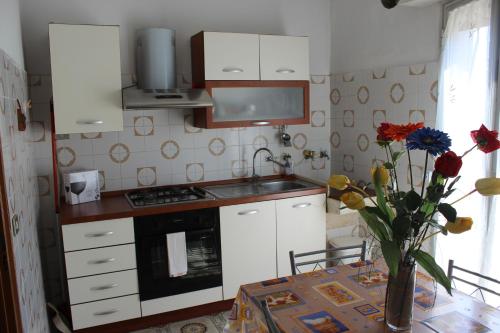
(402,221)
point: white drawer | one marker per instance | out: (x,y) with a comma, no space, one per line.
(90,235)
(93,288)
(181,301)
(104,312)
(97,261)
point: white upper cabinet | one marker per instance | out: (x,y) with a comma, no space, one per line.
(231,56)
(86,78)
(284,58)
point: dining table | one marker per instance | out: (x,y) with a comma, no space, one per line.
(351,298)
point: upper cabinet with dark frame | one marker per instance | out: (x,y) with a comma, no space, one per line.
(255,80)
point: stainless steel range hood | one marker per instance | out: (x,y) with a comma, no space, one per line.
(156,78)
(157,99)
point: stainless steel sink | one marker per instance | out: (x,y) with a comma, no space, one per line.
(282,186)
(258,188)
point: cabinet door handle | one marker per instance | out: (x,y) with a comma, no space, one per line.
(232,70)
(101,261)
(285,70)
(90,122)
(261,123)
(302,205)
(249,212)
(105,313)
(106,287)
(99,234)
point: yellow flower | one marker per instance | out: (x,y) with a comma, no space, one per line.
(380,175)
(353,200)
(460,225)
(488,186)
(339,182)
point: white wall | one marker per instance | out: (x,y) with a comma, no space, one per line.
(289,17)
(10,30)
(367,36)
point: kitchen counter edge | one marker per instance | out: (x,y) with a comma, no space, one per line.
(116,206)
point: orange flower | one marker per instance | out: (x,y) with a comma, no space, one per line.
(400,132)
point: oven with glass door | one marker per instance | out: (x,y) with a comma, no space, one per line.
(202,233)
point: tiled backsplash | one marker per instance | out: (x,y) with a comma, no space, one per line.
(362,100)
(22,194)
(162,147)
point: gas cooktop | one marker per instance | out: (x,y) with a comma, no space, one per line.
(159,196)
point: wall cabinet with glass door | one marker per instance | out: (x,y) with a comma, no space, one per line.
(254,80)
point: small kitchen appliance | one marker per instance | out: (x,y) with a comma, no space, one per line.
(81,186)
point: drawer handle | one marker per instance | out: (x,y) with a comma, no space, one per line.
(105,313)
(232,70)
(249,212)
(106,287)
(285,71)
(99,234)
(261,123)
(101,261)
(302,205)
(90,122)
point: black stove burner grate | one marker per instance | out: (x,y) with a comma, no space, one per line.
(165,195)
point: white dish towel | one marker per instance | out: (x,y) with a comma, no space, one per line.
(177,254)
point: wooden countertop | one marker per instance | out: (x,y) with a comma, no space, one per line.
(114,205)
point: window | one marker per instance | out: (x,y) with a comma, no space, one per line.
(467,85)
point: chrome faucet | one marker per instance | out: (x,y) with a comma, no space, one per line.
(269,158)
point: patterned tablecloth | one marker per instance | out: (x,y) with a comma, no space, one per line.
(350,298)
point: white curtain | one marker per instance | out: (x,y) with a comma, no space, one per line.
(466,100)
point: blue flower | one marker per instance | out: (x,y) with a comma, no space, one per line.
(432,140)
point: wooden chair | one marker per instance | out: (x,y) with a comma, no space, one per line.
(479,288)
(332,258)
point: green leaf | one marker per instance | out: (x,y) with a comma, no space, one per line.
(448,211)
(388,165)
(429,264)
(379,229)
(413,200)
(382,203)
(392,256)
(453,182)
(397,155)
(401,226)
(427,208)
(380,214)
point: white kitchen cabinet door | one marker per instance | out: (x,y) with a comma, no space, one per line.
(248,238)
(301,227)
(231,56)
(284,58)
(86,78)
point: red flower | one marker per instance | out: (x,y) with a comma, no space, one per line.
(381,136)
(487,141)
(400,132)
(448,164)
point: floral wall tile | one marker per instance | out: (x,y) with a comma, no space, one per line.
(394,94)
(24,189)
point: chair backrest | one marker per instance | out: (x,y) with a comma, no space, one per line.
(331,255)
(271,325)
(452,277)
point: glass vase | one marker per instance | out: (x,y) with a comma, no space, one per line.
(399,298)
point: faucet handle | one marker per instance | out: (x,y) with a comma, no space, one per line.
(308,154)
(324,154)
